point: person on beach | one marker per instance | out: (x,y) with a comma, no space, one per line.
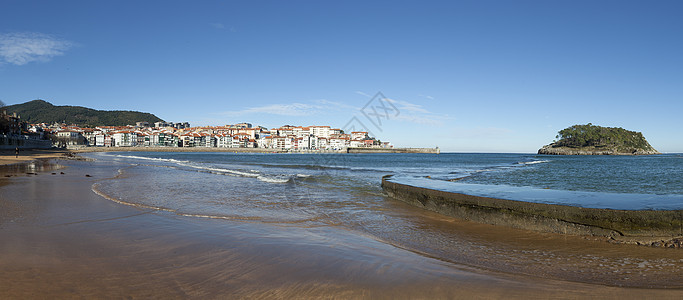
(16,152)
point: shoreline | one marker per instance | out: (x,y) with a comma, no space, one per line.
(62,240)
(552,150)
(8,157)
(174,149)
(355,150)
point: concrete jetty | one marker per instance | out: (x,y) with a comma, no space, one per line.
(636,226)
(392,150)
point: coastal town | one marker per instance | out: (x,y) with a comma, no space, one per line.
(166,134)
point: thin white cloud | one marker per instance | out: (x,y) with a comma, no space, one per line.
(327,104)
(218,25)
(407,106)
(415,113)
(363,94)
(296,109)
(431,120)
(293,109)
(221,26)
(25,47)
(407,112)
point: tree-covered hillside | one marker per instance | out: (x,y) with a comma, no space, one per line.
(39,111)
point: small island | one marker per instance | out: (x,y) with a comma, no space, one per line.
(591,139)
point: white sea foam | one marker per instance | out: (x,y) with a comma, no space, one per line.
(273,179)
(532,162)
(222,171)
(195,166)
(152,158)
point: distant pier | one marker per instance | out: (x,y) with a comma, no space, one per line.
(392,150)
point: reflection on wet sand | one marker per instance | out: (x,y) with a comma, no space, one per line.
(544,255)
(13,205)
(28,168)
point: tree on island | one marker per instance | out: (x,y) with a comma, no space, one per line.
(593,139)
(598,136)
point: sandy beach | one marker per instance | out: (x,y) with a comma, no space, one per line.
(62,240)
(8,156)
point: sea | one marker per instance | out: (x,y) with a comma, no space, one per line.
(344,191)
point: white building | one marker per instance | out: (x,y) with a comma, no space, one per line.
(358,135)
(309,142)
(265,142)
(356,143)
(99,140)
(323,143)
(320,131)
(236,142)
(68,134)
(125,139)
(210,141)
(338,143)
(223,141)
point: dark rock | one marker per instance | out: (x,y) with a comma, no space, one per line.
(553,150)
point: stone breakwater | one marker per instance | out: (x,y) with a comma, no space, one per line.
(392,150)
(551,150)
(628,226)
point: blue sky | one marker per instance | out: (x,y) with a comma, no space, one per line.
(467,76)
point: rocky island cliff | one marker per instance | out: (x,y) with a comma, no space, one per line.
(591,139)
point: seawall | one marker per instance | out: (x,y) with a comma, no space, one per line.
(392,150)
(622,224)
(23,142)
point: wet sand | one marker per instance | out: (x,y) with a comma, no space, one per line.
(8,156)
(61,240)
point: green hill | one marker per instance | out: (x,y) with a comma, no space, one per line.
(39,111)
(591,139)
